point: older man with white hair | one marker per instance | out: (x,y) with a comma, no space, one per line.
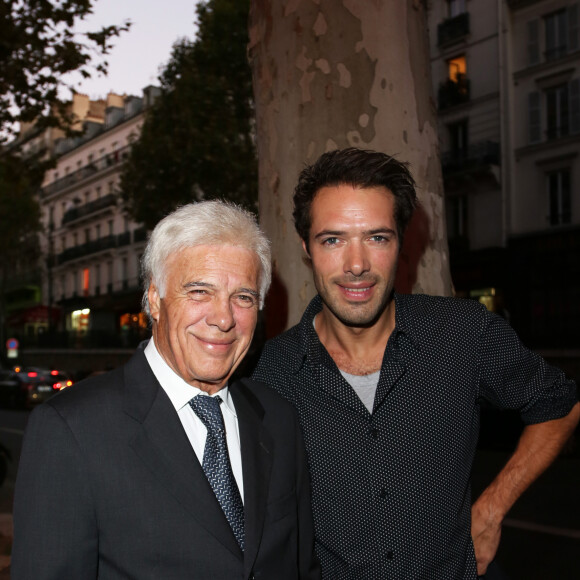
(164,468)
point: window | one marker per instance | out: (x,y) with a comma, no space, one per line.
(87,235)
(561,32)
(455,90)
(533,42)
(110,224)
(110,276)
(456,69)
(125,273)
(556,41)
(456,217)
(455,7)
(559,197)
(458,140)
(562,111)
(97,279)
(86,281)
(557,112)
(79,320)
(98,231)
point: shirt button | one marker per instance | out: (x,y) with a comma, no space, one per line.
(390,555)
(384,493)
(375,433)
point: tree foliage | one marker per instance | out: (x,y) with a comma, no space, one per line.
(38,46)
(197,141)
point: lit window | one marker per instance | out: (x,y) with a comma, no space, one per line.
(457,69)
(79,320)
(86,281)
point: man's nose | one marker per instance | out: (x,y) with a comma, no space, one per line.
(356,261)
(221,315)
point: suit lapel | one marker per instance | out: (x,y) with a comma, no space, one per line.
(257,450)
(161,443)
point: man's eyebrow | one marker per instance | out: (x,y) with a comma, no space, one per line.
(198,284)
(380,231)
(372,232)
(329,233)
(250,291)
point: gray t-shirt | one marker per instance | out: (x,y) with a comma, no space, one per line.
(365,386)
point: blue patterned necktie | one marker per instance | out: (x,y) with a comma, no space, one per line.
(216,463)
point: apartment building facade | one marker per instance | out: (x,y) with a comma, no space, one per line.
(92,246)
(506,77)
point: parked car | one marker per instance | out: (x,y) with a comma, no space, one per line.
(24,387)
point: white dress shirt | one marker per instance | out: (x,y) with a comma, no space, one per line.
(180,393)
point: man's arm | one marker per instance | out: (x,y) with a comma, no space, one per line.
(55,533)
(537,448)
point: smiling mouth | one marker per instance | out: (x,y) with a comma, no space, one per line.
(357,293)
(215,343)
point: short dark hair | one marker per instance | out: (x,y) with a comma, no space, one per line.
(359,168)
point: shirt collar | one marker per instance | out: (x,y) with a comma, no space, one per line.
(178,391)
(310,344)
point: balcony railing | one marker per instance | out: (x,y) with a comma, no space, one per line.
(76,213)
(453,29)
(124,239)
(483,153)
(100,245)
(453,93)
(89,170)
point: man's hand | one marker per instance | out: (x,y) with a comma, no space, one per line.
(485,532)
(538,446)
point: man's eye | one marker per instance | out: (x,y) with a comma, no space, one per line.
(379,238)
(330,241)
(246,300)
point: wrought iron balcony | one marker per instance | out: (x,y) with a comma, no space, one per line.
(482,153)
(89,170)
(453,29)
(76,213)
(94,246)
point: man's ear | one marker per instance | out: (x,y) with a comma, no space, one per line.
(306,259)
(154,302)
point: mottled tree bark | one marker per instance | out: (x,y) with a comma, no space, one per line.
(336,73)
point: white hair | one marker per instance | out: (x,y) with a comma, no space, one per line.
(203,223)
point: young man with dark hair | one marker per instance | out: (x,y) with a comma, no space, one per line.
(388,386)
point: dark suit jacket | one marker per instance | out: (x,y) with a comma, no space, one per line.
(110,488)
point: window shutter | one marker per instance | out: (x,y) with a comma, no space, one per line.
(573,27)
(575,106)
(533,42)
(534,117)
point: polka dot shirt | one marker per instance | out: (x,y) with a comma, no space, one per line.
(391,491)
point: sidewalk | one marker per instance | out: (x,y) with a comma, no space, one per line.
(5,545)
